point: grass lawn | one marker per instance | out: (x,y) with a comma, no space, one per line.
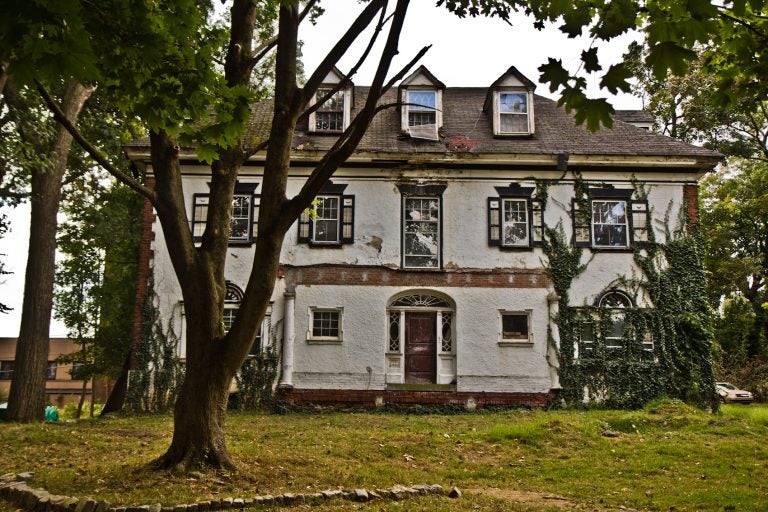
(667,457)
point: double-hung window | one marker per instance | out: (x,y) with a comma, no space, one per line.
(515,220)
(329,117)
(331,220)
(422,107)
(245,214)
(513,113)
(609,219)
(421,232)
(50,371)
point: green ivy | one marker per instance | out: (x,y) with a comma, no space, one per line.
(665,351)
(154,382)
(256,379)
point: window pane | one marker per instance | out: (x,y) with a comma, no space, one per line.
(514,103)
(325,324)
(241,217)
(514,326)
(230,312)
(327,219)
(334,104)
(330,121)
(6,370)
(513,123)
(447,345)
(422,100)
(515,222)
(394,331)
(50,372)
(609,223)
(421,237)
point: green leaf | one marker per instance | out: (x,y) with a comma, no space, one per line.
(616,18)
(669,56)
(615,79)
(554,73)
(589,58)
(575,20)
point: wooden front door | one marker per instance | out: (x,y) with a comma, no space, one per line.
(420,348)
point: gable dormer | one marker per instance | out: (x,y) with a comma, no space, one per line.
(334,114)
(510,101)
(421,104)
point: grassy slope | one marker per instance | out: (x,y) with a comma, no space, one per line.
(666,456)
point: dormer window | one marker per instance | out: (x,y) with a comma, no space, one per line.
(330,116)
(421,97)
(335,112)
(509,103)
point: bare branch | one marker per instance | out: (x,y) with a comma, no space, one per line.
(341,47)
(351,137)
(93,151)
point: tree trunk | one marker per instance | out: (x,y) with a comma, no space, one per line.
(80,403)
(26,401)
(198,421)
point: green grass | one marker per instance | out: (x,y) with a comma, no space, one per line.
(669,455)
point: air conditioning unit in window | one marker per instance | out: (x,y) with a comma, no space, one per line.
(424,131)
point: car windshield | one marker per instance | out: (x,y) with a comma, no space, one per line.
(726,385)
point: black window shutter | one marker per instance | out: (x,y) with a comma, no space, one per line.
(305,228)
(255,216)
(348,219)
(582,224)
(199,215)
(494,221)
(537,223)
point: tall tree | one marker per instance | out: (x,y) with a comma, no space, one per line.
(159,59)
(26,401)
(735,220)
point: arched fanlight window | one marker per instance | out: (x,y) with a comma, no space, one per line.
(420,300)
(234,293)
(615,299)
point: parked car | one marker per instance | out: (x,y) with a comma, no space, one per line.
(731,394)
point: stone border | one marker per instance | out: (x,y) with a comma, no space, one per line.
(15,488)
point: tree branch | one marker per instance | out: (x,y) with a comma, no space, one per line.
(340,48)
(351,137)
(93,151)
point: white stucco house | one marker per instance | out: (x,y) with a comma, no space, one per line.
(422,278)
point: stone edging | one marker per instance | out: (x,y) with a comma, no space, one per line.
(14,488)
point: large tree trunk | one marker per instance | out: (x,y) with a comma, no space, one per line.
(26,400)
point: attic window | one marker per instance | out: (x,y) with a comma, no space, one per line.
(421,108)
(330,116)
(513,112)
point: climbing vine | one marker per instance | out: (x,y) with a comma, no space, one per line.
(627,357)
(158,372)
(256,379)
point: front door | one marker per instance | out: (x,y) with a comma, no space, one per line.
(420,348)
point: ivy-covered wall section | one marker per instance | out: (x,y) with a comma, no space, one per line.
(625,356)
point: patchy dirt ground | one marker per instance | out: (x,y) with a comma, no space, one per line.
(539,500)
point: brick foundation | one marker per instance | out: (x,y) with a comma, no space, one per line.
(373,398)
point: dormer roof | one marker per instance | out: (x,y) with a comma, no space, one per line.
(422,76)
(335,76)
(510,78)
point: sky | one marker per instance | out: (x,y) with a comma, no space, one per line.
(464,52)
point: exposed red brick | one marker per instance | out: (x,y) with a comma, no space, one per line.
(143,271)
(382,276)
(691,200)
(367,397)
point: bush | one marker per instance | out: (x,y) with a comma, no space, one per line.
(752,375)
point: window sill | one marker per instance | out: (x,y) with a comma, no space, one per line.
(422,269)
(241,243)
(323,245)
(515,343)
(320,341)
(611,249)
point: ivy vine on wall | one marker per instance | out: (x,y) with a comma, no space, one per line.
(661,351)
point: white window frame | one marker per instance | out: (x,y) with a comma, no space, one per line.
(497,96)
(312,338)
(200,204)
(438,241)
(339,96)
(527,241)
(339,207)
(413,108)
(625,224)
(528,314)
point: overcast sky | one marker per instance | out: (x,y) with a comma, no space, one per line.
(465,52)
